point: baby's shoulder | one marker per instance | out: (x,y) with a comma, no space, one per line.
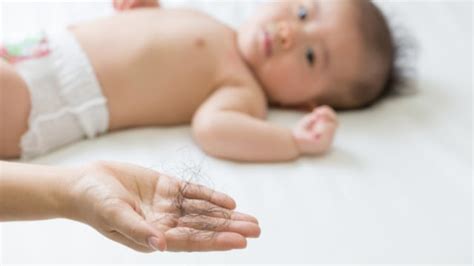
(241,91)
(200,19)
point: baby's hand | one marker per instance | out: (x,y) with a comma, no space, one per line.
(315,131)
(121,5)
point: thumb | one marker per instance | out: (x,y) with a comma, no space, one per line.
(133,226)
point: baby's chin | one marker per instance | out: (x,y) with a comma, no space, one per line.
(247,56)
(248,45)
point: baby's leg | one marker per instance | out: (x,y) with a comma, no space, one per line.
(14,110)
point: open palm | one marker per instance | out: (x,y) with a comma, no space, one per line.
(145,210)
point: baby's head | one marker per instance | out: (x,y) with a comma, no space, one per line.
(314,52)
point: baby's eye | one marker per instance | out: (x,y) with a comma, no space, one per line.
(302,13)
(310,56)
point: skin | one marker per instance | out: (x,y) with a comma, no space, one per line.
(129,4)
(14,110)
(131,205)
(185,67)
(134,206)
(295,28)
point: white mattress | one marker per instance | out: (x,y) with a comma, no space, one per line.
(396,187)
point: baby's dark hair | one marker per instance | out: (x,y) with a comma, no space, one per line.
(385,76)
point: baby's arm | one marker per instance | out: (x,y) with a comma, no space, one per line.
(229,125)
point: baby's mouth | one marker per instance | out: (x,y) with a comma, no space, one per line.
(267,43)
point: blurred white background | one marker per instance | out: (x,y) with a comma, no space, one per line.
(397,187)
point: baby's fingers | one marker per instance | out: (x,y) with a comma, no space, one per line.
(325,112)
(305,131)
(307,122)
(144,3)
(120,4)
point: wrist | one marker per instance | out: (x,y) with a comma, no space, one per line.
(65,195)
(298,149)
(58,190)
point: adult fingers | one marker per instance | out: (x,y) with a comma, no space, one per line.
(238,216)
(189,239)
(202,207)
(200,222)
(126,221)
(196,191)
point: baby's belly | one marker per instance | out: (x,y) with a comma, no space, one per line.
(143,95)
(148,81)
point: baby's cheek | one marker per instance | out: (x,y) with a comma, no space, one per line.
(281,71)
(284,79)
(290,76)
(275,77)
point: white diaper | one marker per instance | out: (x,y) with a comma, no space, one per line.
(66,99)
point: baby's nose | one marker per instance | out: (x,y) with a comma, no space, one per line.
(285,34)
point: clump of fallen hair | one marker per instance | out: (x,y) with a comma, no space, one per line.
(192,173)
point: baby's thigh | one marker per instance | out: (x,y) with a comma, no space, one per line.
(14,110)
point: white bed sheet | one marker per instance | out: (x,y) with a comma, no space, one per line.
(396,187)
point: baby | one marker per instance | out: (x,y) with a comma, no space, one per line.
(148,66)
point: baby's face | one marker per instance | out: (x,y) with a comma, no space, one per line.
(304,52)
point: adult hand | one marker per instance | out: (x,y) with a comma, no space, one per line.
(121,5)
(148,211)
(315,132)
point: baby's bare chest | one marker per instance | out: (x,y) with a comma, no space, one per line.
(168,62)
